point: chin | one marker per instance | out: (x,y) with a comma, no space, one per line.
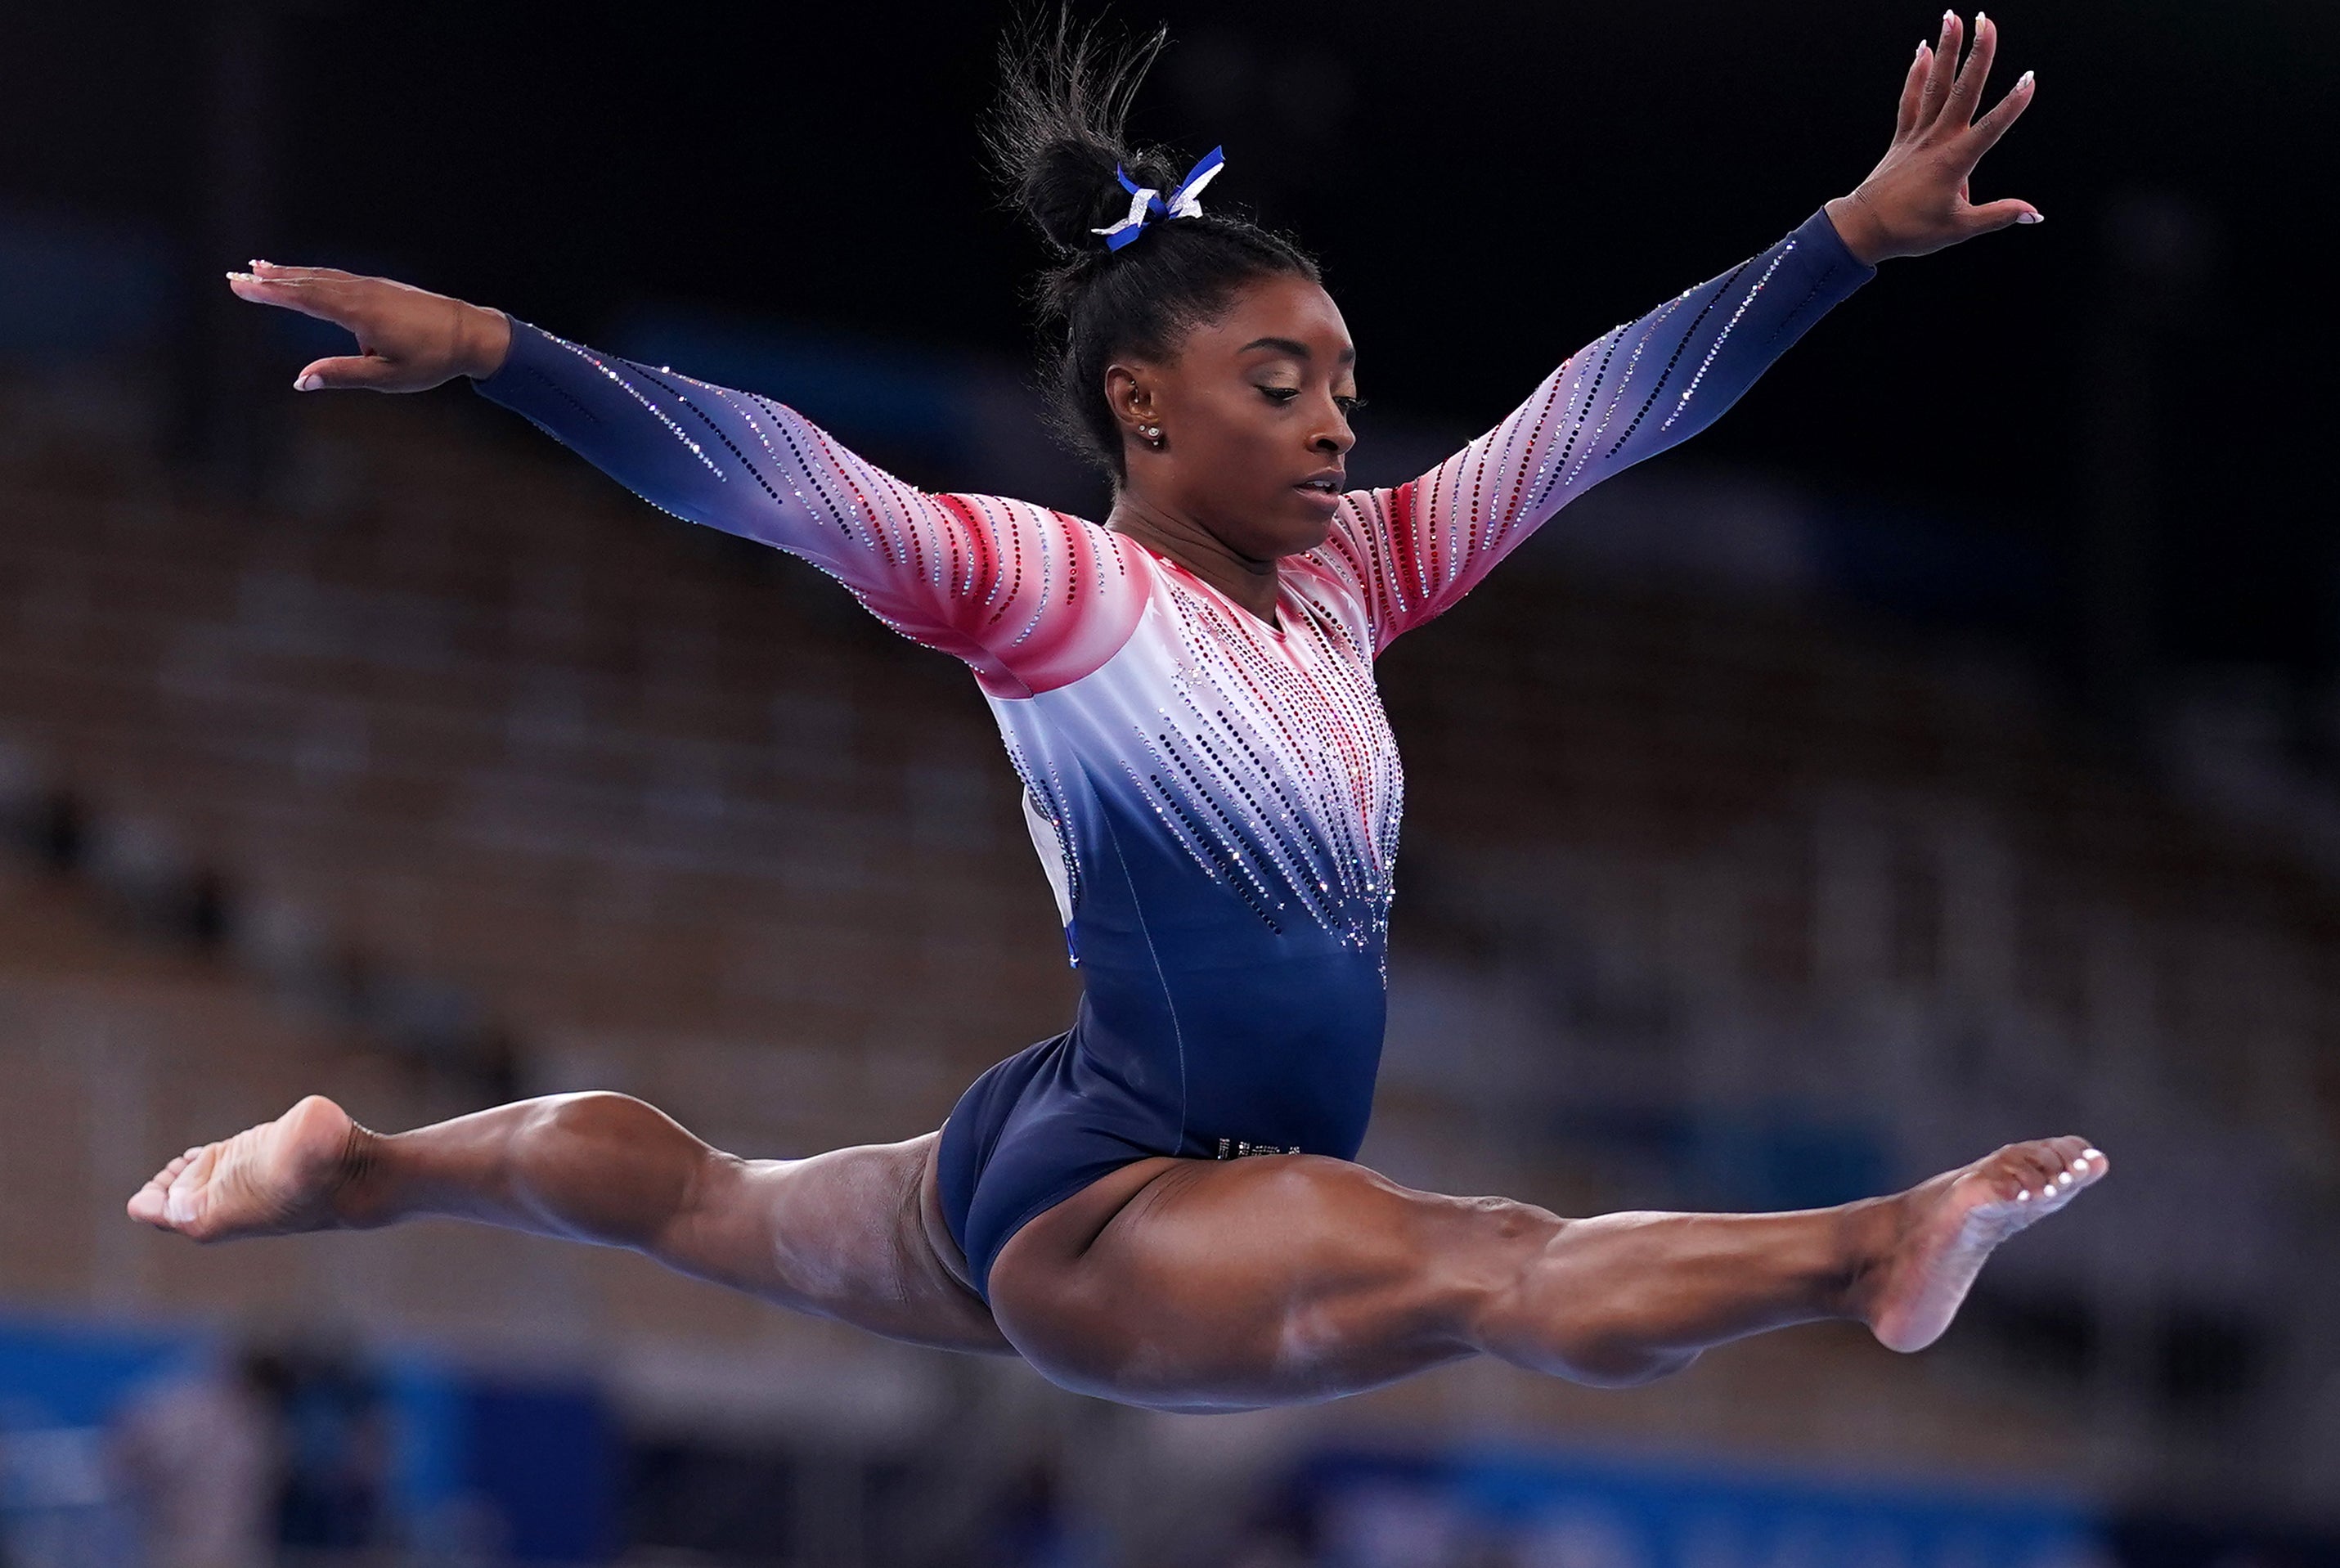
(1300,534)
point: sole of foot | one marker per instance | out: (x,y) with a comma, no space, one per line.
(274,1179)
(1949,1226)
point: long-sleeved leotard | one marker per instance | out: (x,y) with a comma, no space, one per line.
(1216,798)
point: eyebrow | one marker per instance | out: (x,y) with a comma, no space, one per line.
(1293,347)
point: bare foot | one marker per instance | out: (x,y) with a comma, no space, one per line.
(1948,1225)
(274,1179)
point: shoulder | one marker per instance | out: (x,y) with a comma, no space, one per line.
(1048,595)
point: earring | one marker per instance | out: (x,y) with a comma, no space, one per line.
(1152,432)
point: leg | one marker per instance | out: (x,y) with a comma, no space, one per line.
(851,1235)
(1185,1285)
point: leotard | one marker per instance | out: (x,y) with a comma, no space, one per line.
(1215,797)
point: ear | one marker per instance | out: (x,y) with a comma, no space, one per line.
(1129,391)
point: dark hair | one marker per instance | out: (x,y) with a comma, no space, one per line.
(1056,138)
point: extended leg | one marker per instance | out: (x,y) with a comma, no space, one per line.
(1185,1285)
(848,1235)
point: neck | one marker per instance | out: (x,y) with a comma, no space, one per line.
(1168,531)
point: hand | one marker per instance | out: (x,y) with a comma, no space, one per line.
(1915,199)
(408,340)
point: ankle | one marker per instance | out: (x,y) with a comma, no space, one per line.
(1868,1232)
(358,1193)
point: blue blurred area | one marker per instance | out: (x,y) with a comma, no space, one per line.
(74,287)
(861,390)
(1380,1511)
(490,1466)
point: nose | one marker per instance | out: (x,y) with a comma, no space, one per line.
(1334,438)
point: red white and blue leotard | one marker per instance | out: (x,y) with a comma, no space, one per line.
(1215,799)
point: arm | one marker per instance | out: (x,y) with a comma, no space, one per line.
(1414,550)
(1029,598)
(1629,394)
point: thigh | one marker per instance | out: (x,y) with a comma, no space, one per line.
(854,1235)
(1192,1284)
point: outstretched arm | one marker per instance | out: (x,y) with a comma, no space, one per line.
(1631,393)
(1027,597)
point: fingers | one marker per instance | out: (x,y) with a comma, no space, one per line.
(1940,71)
(282,274)
(1966,88)
(2005,113)
(1913,93)
(353,373)
(329,298)
(2003,215)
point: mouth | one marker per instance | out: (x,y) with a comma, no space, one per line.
(1326,484)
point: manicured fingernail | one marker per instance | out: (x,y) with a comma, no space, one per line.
(2023,1196)
(308,384)
(2092,1153)
(242,278)
(2030,217)
(2024,80)
(2063,1178)
(256,263)
(1979,20)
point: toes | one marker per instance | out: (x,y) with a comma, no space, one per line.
(2048,1171)
(146,1204)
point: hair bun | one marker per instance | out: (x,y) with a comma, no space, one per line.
(1056,137)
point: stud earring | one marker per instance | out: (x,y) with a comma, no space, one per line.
(1152,432)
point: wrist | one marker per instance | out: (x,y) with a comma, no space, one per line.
(1857,224)
(486,341)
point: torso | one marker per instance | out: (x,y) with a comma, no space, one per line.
(1217,806)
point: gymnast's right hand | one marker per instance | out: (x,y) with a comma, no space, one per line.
(408,340)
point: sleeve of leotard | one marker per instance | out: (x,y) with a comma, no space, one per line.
(1024,595)
(1413,549)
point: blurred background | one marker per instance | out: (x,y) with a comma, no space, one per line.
(1945,748)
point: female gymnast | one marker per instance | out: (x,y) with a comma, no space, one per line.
(1187,695)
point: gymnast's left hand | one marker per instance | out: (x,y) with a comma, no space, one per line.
(1915,199)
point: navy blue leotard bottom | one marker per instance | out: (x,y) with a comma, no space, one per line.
(1010,1152)
(1223,1050)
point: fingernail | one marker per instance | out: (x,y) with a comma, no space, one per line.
(256,263)
(2092,1153)
(1948,17)
(2024,80)
(1979,20)
(2030,217)
(242,278)
(2023,1196)
(308,384)
(1922,48)
(2063,1178)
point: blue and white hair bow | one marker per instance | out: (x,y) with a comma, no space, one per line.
(1145,201)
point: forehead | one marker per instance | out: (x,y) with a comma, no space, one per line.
(1290,308)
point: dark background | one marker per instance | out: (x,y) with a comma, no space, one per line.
(1490,184)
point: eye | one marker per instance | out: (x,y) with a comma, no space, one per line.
(1280,394)
(1349,405)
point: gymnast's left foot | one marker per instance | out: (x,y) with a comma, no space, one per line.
(1945,1227)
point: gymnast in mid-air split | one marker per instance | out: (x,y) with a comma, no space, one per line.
(1161,1206)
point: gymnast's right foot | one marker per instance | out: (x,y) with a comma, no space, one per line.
(274,1179)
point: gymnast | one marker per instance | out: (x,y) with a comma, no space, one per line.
(1161,1206)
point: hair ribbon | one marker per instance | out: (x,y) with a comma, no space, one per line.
(1146,203)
